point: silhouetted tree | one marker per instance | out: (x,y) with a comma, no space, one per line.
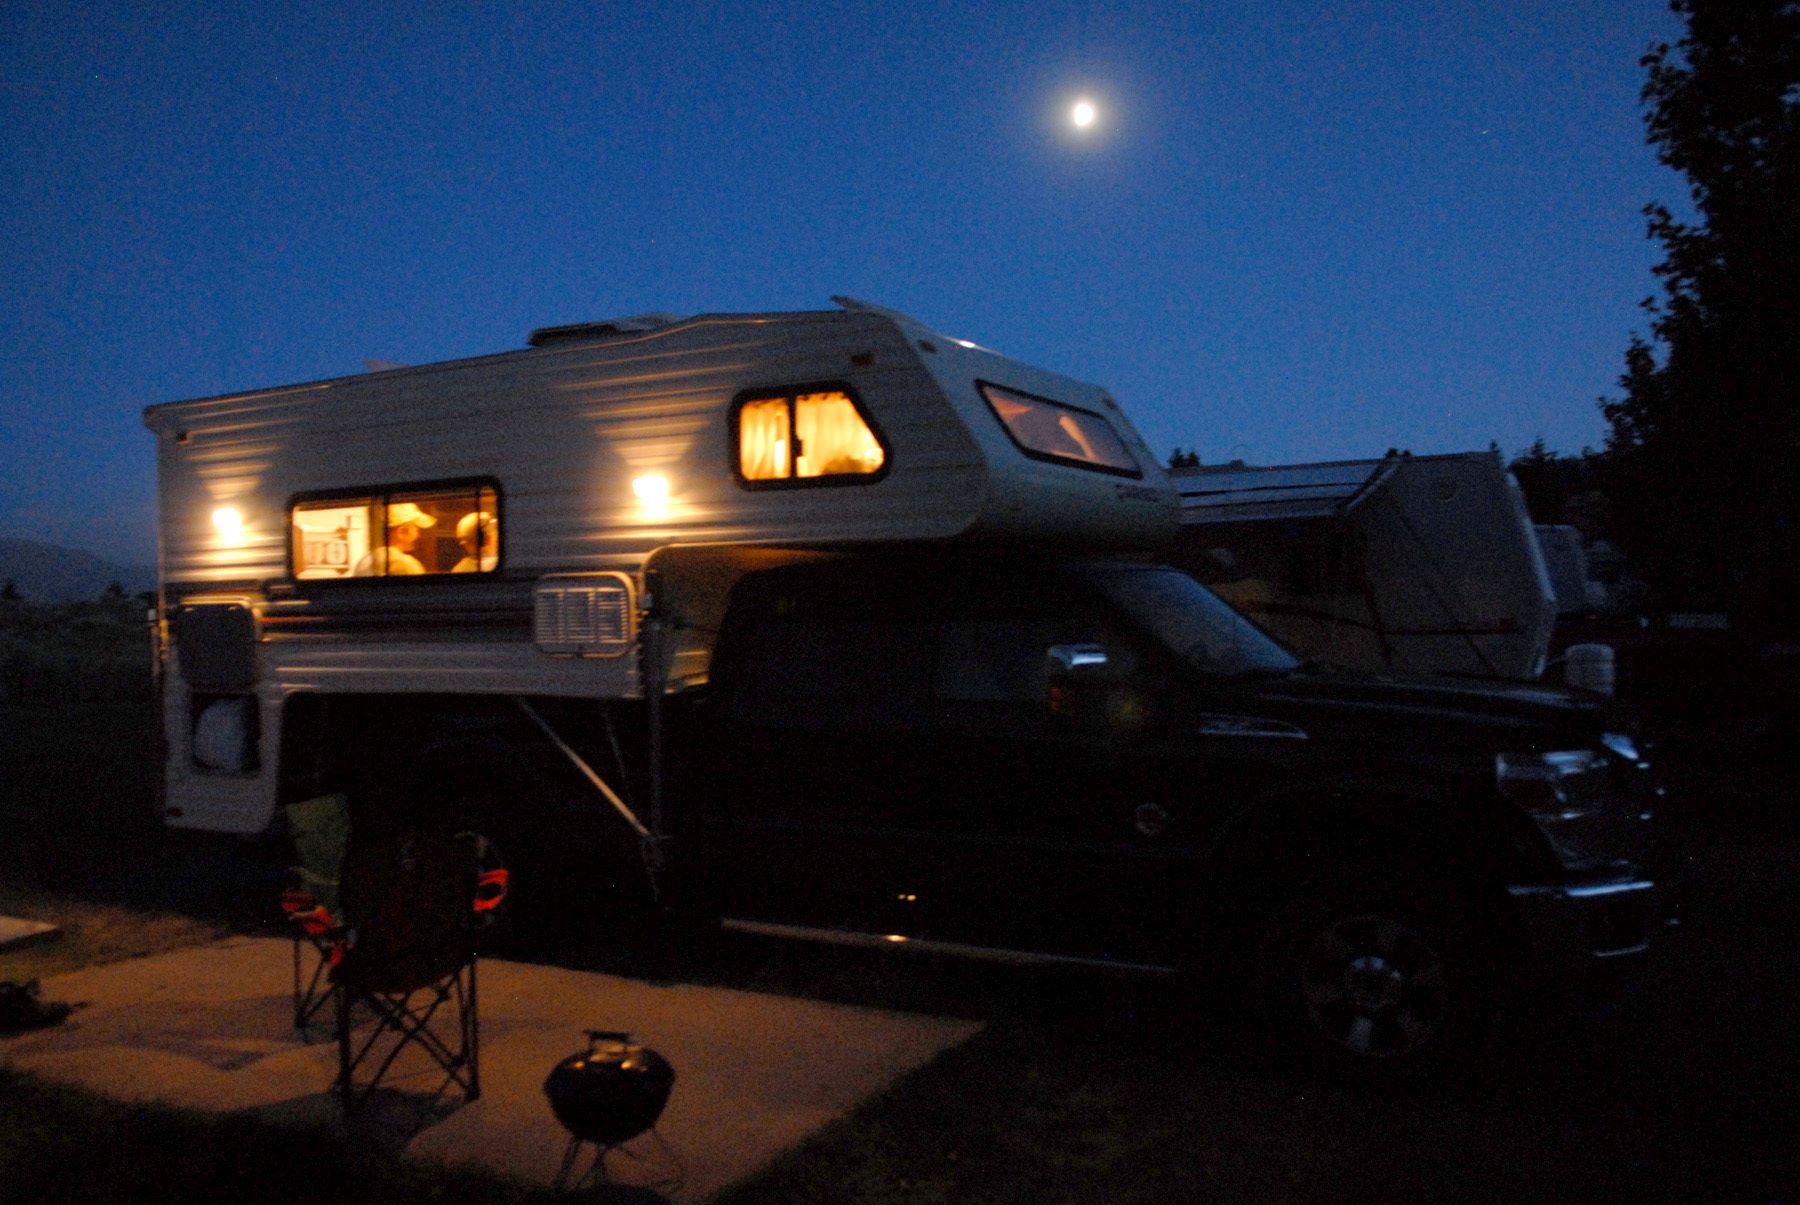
(1705,443)
(1539,472)
(10,591)
(1184,460)
(114,592)
(1565,489)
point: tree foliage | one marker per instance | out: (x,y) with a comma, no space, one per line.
(1706,439)
(1564,489)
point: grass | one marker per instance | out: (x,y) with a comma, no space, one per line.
(92,934)
(1079,1089)
(78,794)
(58,653)
(59,1144)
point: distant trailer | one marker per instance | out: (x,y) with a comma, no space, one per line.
(1565,555)
(1407,564)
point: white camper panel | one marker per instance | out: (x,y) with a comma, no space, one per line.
(1414,564)
(1566,557)
(566,429)
(232,798)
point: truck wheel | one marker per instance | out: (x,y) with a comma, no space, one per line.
(1372,984)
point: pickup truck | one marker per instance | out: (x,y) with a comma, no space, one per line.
(1092,761)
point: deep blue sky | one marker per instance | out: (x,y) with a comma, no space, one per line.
(1300,231)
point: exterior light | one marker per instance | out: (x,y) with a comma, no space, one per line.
(652,489)
(228,521)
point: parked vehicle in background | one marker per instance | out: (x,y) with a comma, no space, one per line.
(1406,564)
(1565,558)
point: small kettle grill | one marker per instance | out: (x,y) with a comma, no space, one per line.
(607,1094)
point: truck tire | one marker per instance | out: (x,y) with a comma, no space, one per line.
(1364,979)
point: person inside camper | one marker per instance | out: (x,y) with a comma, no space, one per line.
(479,534)
(405,524)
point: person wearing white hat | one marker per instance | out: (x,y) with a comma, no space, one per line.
(479,534)
(405,523)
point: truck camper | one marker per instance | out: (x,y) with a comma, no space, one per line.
(826,626)
(483,528)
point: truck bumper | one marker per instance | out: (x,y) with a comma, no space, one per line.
(1582,932)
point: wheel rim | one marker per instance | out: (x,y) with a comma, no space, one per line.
(1374,986)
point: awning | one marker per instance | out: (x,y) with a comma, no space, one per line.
(1283,492)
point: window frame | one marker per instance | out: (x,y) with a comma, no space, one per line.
(982,386)
(381,495)
(790,394)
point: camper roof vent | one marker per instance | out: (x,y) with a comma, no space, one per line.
(587,332)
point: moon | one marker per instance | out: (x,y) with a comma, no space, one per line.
(1083,114)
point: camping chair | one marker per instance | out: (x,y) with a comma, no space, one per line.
(321,827)
(416,901)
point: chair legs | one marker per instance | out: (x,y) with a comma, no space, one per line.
(407,1018)
(408,963)
(311,925)
(312,991)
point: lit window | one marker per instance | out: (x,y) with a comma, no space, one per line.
(798,436)
(764,435)
(397,533)
(1047,430)
(329,538)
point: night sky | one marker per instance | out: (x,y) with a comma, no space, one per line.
(1297,231)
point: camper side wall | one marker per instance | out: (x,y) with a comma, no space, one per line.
(565,435)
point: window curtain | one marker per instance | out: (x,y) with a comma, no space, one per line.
(833,437)
(763,439)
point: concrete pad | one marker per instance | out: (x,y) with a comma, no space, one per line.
(210,1028)
(16,931)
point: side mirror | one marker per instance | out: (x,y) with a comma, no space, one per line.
(1092,687)
(1075,660)
(1069,666)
